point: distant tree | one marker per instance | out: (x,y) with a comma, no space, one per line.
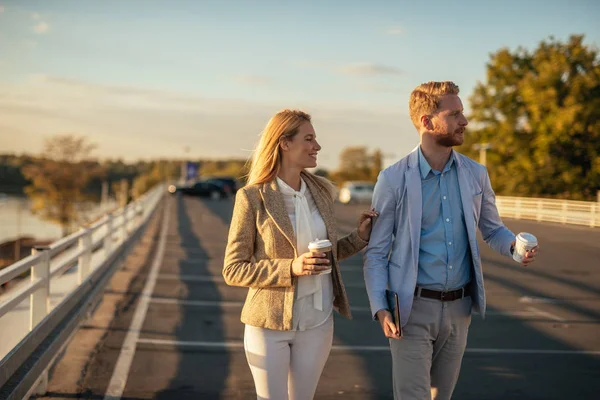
(540,111)
(321,172)
(357,164)
(376,164)
(58,178)
(160,171)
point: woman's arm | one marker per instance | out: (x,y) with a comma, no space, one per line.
(350,245)
(238,268)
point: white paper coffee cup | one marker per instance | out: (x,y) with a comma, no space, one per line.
(322,246)
(524,242)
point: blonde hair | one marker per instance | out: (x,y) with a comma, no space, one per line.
(425,99)
(266,160)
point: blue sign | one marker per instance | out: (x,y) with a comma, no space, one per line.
(191,170)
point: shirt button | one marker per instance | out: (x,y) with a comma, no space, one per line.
(450,267)
(444,197)
(447,219)
(449,243)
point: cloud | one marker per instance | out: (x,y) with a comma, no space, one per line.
(355,69)
(371,88)
(41,27)
(138,123)
(36,16)
(368,69)
(253,80)
(395,31)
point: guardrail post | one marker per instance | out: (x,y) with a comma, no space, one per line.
(593,215)
(40,299)
(124,226)
(108,238)
(518,209)
(538,211)
(39,302)
(139,213)
(85,259)
(564,212)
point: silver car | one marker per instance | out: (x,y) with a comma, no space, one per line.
(356,192)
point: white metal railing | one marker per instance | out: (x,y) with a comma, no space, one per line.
(550,210)
(76,250)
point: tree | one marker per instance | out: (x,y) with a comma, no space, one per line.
(160,171)
(540,111)
(59,178)
(357,164)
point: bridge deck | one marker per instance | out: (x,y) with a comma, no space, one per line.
(183,338)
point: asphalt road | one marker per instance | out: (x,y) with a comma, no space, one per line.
(541,339)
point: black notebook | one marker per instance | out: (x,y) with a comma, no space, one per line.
(394,307)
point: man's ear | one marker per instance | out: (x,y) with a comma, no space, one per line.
(426,122)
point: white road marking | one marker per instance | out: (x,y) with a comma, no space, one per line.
(240,304)
(546,314)
(220,279)
(235,344)
(530,299)
(118,380)
(203,303)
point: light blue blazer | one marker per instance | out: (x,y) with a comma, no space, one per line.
(391,258)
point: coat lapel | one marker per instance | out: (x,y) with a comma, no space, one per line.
(275,207)
(466,195)
(321,203)
(412,181)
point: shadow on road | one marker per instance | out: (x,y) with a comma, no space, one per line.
(200,373)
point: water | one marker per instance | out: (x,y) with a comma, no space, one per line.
(16,219)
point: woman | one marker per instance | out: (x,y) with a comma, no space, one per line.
(288,310)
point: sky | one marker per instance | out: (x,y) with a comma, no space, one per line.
(200,79)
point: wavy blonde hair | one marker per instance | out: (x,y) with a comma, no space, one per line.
(266,160)
(425,99)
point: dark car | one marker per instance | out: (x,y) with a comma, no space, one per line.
(212,190)
(229,184)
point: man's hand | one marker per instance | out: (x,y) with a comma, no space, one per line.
(387,324)
(529,255)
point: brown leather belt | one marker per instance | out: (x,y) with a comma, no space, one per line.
(442,296)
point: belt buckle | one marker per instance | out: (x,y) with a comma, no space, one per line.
(442,295)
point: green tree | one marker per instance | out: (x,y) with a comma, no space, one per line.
(58,178)
(357,164)
(159,171)
(540,112)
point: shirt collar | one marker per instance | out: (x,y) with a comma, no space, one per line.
(287,189)
(425,168)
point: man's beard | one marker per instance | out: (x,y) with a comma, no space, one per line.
(447,139)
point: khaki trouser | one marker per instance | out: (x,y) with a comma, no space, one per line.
(426,361)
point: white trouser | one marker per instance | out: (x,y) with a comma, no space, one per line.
(287,364)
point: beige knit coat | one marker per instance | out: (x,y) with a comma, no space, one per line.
(262,246)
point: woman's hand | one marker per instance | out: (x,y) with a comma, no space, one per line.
(310,264)
(365,224)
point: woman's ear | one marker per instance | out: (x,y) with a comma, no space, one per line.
(283,144)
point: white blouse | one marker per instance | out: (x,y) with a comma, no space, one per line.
(305,315)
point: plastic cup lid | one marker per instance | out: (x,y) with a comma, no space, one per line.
(527,237)
(319,244)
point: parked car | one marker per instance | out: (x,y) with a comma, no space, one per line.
(213,190)
(356,192)
(230,184)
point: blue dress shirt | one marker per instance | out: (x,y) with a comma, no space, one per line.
(444,256)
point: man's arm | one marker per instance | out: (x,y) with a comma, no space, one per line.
(376,255)
(495,234)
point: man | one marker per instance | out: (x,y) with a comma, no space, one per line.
(424,247)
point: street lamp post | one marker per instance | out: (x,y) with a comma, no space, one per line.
(483,148)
